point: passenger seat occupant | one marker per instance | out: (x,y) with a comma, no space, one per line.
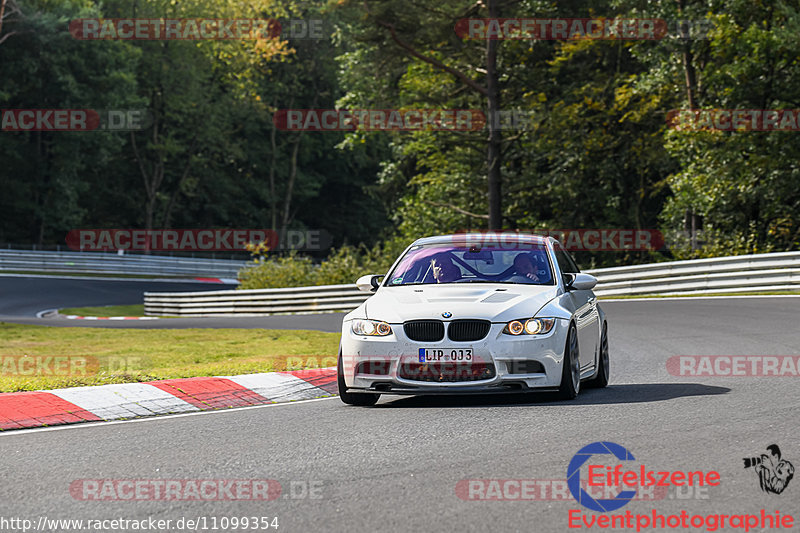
(540,266)
(444,271)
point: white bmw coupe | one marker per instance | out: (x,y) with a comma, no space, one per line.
(472,313)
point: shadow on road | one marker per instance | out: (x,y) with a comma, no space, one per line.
(611,395)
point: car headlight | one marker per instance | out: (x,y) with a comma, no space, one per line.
(532,326)
(373,328)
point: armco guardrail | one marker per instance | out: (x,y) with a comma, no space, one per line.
(109,263)
(780,271)
(255,302)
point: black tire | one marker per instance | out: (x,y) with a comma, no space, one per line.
(604,369)
(570,368)
(364,399)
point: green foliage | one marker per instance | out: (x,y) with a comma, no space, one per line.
(44,174)
(344,265)
(592,156)
(744,184)
(597,154)
(287,271)
(207,159)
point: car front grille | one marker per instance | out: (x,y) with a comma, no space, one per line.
(424,330)
(446,372)
(468,330)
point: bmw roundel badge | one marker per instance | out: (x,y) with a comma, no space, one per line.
(447,314)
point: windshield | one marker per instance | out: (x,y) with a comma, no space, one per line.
(525,264)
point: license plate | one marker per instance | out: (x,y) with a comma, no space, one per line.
(436,355)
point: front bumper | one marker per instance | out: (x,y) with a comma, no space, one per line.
(510,357)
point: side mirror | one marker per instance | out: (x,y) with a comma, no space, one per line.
(580,282)
(368,283)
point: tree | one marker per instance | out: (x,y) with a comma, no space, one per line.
(8,11)
(46,175)
(425,36)
(191,88)
(742,183)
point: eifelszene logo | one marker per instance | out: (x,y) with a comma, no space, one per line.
(574,477)
(608,477)
(594,459)
(774,473)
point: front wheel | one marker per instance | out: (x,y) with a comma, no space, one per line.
(603,368)
(570,367)
(353,398)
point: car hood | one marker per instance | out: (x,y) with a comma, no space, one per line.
(495,302)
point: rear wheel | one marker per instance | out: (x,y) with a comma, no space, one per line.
(570,367)
(352,398)
(603,369)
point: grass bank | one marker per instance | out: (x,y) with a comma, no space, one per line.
(107,310)
(41,357)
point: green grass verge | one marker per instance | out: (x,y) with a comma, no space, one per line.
(41,357)
(108,310)
(749,293)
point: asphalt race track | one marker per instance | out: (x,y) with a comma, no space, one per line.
(25,296)
(21,298)
(395,467)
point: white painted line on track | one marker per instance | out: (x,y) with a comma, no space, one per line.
(11,432)
(689,298)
